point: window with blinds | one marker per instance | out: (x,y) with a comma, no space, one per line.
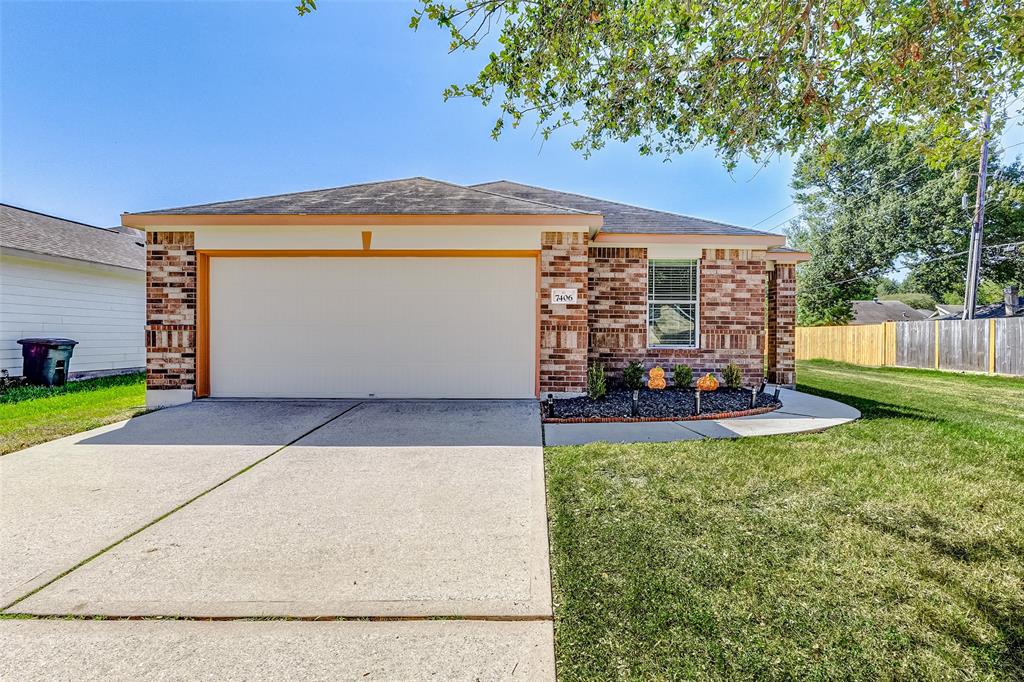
(672,304)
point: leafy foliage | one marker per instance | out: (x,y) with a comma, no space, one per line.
(878,204)
(597,385)
(633,375)
(682,376)
(746,78)
(732,375)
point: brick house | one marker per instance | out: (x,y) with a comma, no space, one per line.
(421,288)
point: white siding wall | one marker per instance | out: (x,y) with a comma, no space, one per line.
(103,308)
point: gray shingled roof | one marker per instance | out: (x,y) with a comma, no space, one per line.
(412,196)
(985,312)
(40,233)
(874,312)
(619,218)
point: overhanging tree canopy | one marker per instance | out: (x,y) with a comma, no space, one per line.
(746,78)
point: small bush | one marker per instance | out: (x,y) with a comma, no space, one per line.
(732,375)
(682,376)
(633,375)
(597,386)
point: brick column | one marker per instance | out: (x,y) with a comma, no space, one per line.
(563,328)
(782,324)
(170,311)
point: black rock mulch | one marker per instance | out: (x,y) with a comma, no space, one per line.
(670,402)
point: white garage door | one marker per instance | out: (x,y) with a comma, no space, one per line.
(361,327)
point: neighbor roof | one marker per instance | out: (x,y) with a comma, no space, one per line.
(873,312)
(984,312)
(45,234)
(619,218)
(411,196)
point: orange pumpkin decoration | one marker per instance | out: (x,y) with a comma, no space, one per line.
(656,378)
(708,382)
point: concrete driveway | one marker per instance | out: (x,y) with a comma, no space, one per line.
(395,510)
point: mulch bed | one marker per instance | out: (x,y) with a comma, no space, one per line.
(670,404)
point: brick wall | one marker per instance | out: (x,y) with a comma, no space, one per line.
(563,328)
(170,310)
(782,324)
(732,324)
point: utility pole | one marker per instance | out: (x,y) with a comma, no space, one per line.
(978,228)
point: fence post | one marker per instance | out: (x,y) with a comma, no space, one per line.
(992,345)
(936,344)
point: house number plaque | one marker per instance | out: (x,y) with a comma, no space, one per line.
(563,295)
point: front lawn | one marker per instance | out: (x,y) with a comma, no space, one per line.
(31,414)
(890,548)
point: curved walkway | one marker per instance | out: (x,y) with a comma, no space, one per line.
(800,413)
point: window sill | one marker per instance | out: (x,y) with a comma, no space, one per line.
(673,347)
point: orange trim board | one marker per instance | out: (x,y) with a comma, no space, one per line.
(153,220)
(203,292)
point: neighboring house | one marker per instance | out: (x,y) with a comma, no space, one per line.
(877,311)
(1011,306)
(421,288)
(60,278)
(945,310)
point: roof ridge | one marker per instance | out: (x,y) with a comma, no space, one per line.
(620,203)
(56,217)
(529,201)
(366,184)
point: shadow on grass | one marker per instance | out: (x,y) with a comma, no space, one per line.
(916,525)
(872,409)
(1007,650)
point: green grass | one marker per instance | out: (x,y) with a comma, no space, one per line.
(890,548)
(32,414)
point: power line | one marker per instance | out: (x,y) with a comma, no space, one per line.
(869,192)
(923,262)
(863,166)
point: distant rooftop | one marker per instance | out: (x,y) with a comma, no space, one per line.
(876,311)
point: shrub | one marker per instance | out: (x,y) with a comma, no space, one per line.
(732,375)
(596,384)
(633,375)
(682,376)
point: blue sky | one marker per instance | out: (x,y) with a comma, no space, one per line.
(127,106)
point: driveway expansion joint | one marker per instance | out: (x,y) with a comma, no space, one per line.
(5,609)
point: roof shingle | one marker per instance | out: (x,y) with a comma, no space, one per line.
(619,218)
(40,233)
(411,196)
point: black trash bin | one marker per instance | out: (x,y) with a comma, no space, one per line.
(46,362)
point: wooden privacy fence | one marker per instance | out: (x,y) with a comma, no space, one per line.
(995,346)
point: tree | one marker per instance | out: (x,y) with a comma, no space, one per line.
(745,78)
(875,203)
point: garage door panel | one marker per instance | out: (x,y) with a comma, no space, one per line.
(390,327)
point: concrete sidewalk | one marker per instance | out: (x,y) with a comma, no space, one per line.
(800,413)
(276,650)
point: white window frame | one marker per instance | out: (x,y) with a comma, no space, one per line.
(696,308)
